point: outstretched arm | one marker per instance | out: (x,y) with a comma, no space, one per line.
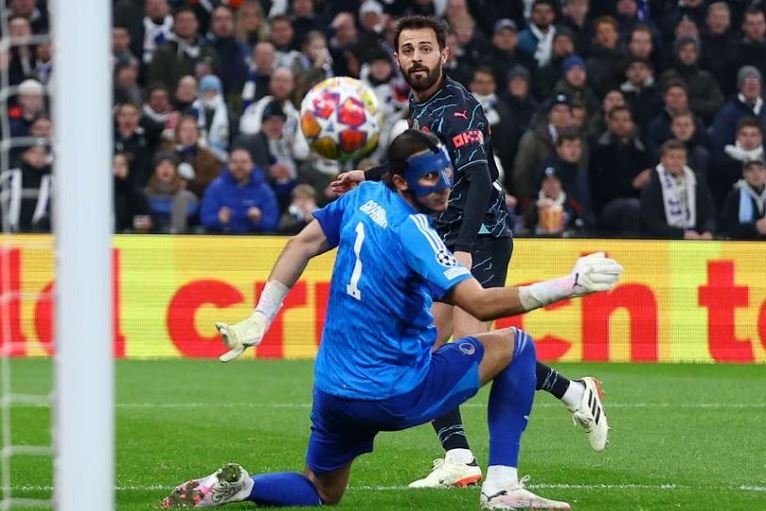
(591,273)
(308,243)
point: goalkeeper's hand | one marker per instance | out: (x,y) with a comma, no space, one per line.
(594,272)
(240,336)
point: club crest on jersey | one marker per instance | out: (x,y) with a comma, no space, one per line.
(445,258)
(467,348)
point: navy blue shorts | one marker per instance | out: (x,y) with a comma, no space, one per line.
(342,429)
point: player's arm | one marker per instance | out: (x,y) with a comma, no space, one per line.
(591,274)
(348,180)
(477,202)
(291,263)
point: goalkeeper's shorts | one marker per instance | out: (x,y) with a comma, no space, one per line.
(342,428)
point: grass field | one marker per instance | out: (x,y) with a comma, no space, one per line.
(684,437)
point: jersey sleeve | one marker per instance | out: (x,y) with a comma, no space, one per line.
(426,254)
(330,217)
(463,129)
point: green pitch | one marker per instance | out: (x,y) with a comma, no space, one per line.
(683,438)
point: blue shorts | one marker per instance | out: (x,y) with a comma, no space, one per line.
(342,428)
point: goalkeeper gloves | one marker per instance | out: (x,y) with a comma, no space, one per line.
(249,332)
(592,273)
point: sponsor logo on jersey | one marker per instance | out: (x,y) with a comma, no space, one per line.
(467,137)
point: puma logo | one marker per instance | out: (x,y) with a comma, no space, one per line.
(463,114)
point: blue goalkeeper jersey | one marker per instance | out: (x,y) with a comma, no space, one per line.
(390,266)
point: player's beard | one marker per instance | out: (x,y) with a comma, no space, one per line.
(425,82)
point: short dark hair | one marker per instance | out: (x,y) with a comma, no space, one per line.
(673,145)
(752,163)
(567,134)
(409,142)
(418,22)
(675,82)
(619,108)
(748,122)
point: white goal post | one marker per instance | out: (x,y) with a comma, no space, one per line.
(82,218)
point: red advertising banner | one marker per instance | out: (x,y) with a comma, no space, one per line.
(679,301)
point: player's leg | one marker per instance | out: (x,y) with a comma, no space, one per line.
(490,258)
(509,362)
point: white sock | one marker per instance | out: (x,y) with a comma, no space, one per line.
(573,395)
(460,456)
(500,476)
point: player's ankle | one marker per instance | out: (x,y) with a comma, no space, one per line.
(573,395)
(460,456)
(500,476)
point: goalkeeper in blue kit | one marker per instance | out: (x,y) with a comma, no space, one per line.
(475,227)
(375,370)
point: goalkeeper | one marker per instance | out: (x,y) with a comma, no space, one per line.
(375,370)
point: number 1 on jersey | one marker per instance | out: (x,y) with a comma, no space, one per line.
(352,288)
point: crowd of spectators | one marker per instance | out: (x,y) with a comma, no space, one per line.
(609,117)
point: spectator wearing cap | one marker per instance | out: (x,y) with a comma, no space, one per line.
(553,211)
(272,151)
(744,211)
(705,96)
(605,65)
(214,119)
(263,62)
(239,201)
(537,144)
(170,203)
(521,106)
(181,53)
(282,87)
(314,63)
(545,78)
(747,103)
(719,48)
(619,168)
(752,46)
(577,22)
(30,102)
(504,52)
(675,203)
(747,146)
(197,165)
(536,41)
(675,99)
(28,190)
(231,53)
(641,91)
(574,84)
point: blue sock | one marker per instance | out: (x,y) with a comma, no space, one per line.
(284,489)
(510,403)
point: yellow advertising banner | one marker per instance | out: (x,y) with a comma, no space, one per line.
(679,301)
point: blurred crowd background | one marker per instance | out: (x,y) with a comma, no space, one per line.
(635,118)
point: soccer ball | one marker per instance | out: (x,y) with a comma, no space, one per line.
(340,119)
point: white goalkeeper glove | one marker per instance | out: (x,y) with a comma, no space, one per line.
(594,272)
(249,332)
(240,336)
(591,273)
